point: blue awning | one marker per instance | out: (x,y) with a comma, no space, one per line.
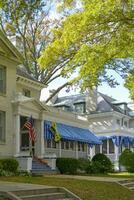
(68,132)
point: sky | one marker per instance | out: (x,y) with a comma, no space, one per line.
(119,92)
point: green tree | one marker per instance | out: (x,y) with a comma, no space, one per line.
(94,39)
(30,21)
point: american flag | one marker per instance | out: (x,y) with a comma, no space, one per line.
(30,127)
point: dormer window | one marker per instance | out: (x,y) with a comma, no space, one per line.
(2,79)
(26,93)
(65,108)
(80,107)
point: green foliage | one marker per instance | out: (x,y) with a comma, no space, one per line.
(83,164)
(101,164)
(9,165)
(127,160)
(67,165)
(129,84)
(90,39)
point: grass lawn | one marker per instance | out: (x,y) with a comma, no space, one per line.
(87,190)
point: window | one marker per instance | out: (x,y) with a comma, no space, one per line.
(118,121)
(24,140)
(53,144)
(104,147)
(2,126)
(67,145)
(97,148)
(26,93)
(83,147)
(80,107)
(62,144)
(2,79)
(24,134)
(71,145)
(65,108)
(79,146)
(111,146)
(48,143)
(125,124)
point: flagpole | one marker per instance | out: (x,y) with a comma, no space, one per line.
(30,148)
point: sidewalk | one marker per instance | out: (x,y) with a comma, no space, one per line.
(13,186)
(90,178)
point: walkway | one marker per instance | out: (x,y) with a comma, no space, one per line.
(12,186)
(90,178)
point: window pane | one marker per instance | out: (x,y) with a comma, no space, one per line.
(62,144)
(79,146)
(97,148)
(104,147)
(26,93)
(2,126)
(53,144)
(48,143)
(71,145)
(111,146)
(67,144)
(24,141)
(80,107)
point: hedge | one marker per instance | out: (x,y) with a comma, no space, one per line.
(126,159)
(67,165)
(9,164)
(101,164)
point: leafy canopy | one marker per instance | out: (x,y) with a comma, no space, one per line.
(93,40)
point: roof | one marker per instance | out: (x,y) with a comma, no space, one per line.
(69,100)
(72,133)
(105,103)
(22,71)
(17,55)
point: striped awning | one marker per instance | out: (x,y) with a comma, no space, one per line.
(73,133)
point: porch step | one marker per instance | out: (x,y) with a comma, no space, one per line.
(50,196)
(129,184)
(39,168)
(43,194)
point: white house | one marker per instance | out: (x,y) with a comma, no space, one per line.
(19,99)
(111,121)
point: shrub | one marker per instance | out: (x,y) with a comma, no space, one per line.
(83,164)
(9,164)
(127,160)
(67,165)
(101,164)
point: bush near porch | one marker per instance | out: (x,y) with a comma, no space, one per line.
(126,159)
(8,166)
(100,164)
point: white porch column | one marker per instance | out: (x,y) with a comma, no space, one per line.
(101,148)
(76,150)
(17,135)
(116,162)
(92,151)
(107,146)
(87,150)
(60,148)
(39,145)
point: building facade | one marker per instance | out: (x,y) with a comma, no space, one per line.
(19,99)
(110,120)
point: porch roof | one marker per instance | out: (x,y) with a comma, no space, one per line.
(71,133)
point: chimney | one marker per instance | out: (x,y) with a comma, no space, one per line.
(16,41)
(54,98)
(91,100)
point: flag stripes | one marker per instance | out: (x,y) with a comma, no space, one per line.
(30,127)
